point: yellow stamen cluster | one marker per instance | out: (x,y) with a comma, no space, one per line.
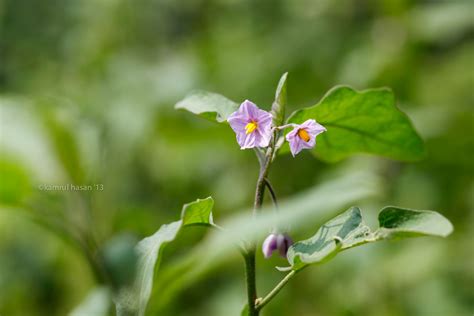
(250,127)
(303,134)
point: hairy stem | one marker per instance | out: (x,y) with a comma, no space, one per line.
(275,290)
(250,254)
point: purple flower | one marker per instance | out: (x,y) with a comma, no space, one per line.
(280,242)
(252,126)
(304,136)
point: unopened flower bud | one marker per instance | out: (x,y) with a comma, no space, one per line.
(275,241)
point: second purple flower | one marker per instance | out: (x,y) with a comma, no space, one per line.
(304,136)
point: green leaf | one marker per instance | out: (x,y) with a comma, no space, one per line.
(132,300)
(278,106)
(198,212)
(362,122)
(399,222)
(348,230)
(211,106)
(328,240)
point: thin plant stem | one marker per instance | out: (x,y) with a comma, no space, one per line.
(272,193)
(250,254)
(275,290)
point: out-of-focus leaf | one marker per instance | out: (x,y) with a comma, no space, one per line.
(65,145)
(97,303)
(366,121)
(132,300)
(278,106)
(198,212)
(349,230)
(209,105)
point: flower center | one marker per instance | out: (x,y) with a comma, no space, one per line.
(303,134)
(250,127)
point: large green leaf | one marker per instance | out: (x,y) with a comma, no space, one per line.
(211,106)
(132,300)
(361,121)
(349,230)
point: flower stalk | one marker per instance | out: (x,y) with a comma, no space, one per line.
(275,290)
(250,254)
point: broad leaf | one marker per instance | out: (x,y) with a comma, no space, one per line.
(278,106)
(132,300)
(349,230)
(211,106)
(361,122)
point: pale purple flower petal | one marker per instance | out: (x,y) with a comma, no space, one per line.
(303,136)
(252,126)
(273,242)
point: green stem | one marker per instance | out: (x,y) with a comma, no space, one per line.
(250,280)
(272,193)
(275,290)
(250,254)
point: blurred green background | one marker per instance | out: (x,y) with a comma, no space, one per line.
(87,90)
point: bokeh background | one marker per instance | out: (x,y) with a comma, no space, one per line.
(87,90)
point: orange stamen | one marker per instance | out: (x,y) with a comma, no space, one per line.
(303,134)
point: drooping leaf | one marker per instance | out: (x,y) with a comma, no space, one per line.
(132,300)
(348,230)
(198,212)
(209,105)
(361,122)
(343,229)
(278,106)
(398,222)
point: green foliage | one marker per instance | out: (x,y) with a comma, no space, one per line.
(366,121)
(211,106)
(198,212)
(132,300)
(398,222)
(349,230)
